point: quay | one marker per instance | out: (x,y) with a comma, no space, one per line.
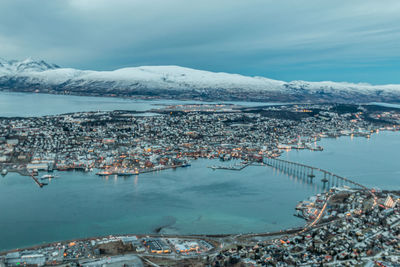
(231,168)
(141,171)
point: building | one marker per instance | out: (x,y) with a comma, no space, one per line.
(38,166)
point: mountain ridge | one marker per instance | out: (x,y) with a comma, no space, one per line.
(182,83)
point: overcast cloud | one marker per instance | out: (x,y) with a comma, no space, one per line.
(339,40)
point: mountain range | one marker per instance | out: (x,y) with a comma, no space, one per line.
(174,82)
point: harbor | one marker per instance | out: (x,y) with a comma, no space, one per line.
(206,192)
(122,143)
(90,157)
(204,134)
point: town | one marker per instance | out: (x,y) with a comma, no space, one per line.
(129,143)
(345,226)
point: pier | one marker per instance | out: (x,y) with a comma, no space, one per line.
(109,172)
(237,167)
(40,184)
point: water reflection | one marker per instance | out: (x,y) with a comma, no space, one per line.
(256,199)
(319,183)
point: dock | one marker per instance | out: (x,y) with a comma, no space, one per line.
(232,167)
(40,184)
(141,171)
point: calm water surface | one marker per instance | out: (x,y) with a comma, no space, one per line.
(186,201)
(374,162)
(32,104)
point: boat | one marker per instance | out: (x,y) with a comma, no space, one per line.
(4,172)
(319,148)
(104,173)
(47,176)
(124,174)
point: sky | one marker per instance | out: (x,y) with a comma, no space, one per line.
(314,40)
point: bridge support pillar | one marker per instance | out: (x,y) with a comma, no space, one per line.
(324,180)
(311,175)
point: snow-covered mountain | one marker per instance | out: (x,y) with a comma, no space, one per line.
(181,83)
(27,65)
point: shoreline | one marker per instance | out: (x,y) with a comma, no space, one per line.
(221,243)
(25,172)
(277,233)
(308,226)
(144,99)
(198,99)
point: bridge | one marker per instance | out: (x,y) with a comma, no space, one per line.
(309,172)
(303,170)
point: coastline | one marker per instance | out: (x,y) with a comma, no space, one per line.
(256,234)
(282,232)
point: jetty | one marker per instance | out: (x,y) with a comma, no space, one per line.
(237,167)
(40,184)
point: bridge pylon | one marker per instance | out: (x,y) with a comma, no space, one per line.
(324,180)
(311,175)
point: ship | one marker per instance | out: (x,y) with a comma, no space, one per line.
(104,173)
(124,173)
(48,176)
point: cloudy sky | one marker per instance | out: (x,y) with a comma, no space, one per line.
(339,40)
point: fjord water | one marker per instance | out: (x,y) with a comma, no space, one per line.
(373,162)
(14,104)
(189,200)
(186,200)
(33,105)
